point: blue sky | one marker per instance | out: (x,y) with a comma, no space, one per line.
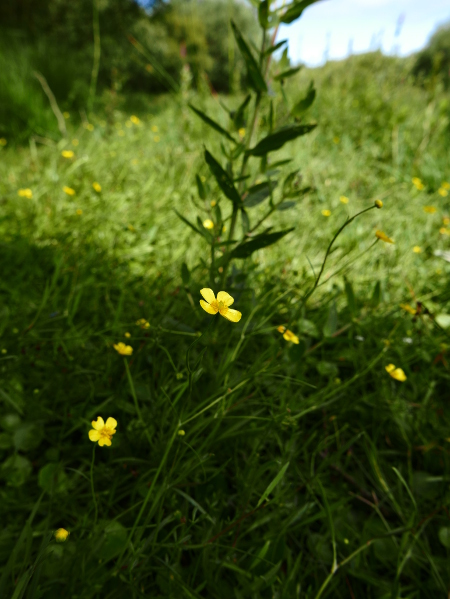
(334,27)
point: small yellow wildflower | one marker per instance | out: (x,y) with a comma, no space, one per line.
(442,192)
(444,231)
(221,304)
(127,335)
(396,373)
(25,193)
(445,185)
(378,203)
(336,139)
(67,154)
(408,308)
(417,183)
(326,212)
(79,212)
(4,351)
(122,349)
(75,142)
(3,141)
(89,126)
(144,324)
(156,138)
(383,237)
(134,119)
(66,115)
(430,209)
(181,432)
(446,220)
(154,128)
(288,335)
(344,199)
(213,203)
(224,229)
(417,249)
(68,190)
(102,432)
(241,132)
(97,187)
(208,224)
(61,535)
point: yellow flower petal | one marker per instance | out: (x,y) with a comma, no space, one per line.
(343,199)
(383,237)
(378,203)
(232,315)
(390,368)
(122,349)
(94,435)
(67,154)
(68,190)
(445,185)
(398,375)
(98,424)
(430,209)
(208,308)
(208,224)
(326,212)
(208,294)
(111,422)
(281,329)
(104,441)
(417,249)
(289,336)
(408,308)
(225,298)
(61,534)
(442,192)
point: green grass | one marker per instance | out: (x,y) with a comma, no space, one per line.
(305,470)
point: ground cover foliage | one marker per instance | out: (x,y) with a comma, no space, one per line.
(249,466)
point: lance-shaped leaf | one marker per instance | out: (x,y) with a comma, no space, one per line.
(305,103)
(295,10)
(288,73)
(188,223)
(255,76)
(200,187)
(212,123)
(273,49)
(223,179)
(276,140)
(257,243)
(263,14)
(238,117)
(258,193)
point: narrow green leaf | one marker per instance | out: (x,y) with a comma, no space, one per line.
(200,187)
(223,179)
(351,302)
(263,14)
(376,295)
(286,205)
(276,140)
(238,117)
(305,103)
(255,76)
(257,243)
(273,49)
(288,73)
(212,123)
(273,484)
(188,223)
(331,325)
(245,222)
(295,10)
(185,274)
(258,193)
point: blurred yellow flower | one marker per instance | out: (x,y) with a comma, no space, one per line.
(446,220)
(3,141)
(383,237)
(378,203)
(221,304)
(396,373)
(336,139)
(97,187)
(122,349)
(430,209)
(67,154)
(25,193)
(213,203)
(127,335)
(61,535)
(75,142)
(156,138)
(68,190)
(442,192)
(418,183)
(445,185)
(4,351)
(154,128)
(79,212)
(241,132)
(344,199)
(288,335)
(417,249)
(89,126)
(444,231)
(181,432)
(326,212)
(102,432)
(208,224)
(144,324)
(66,115)
(408,308)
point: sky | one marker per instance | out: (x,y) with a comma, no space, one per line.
(333,29)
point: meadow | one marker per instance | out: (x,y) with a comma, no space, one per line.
(247,462)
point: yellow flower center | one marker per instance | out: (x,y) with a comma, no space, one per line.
(219,306)
(106,433)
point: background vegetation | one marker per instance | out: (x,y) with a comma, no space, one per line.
(302,470)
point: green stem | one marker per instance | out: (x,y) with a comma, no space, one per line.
(136,405)
(92,485)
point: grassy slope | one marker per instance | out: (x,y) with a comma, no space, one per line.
(73,284)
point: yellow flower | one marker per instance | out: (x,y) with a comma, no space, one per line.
(288,335)
(383,237)
(154,128)
(241,132)
(336,139)
(122,349)
(89,126)
(213,203)
(66,115)
(127,335)
(417,249)
(75,142)
(67,154)
(68,190)
(378,203)
(156,138)
(408,308)
(343,199)
(79,212)
(4,351)
(221,304)
(144,324)
(181,432)
(25,193)
(417,183)
(97,187)
(135,120)
(396,373)
(429,209)
(3,141)
(444,231)
(445,185)
(442,192)
(208,224)
(102,432)
(446,220)
(326,212)
(61,535)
